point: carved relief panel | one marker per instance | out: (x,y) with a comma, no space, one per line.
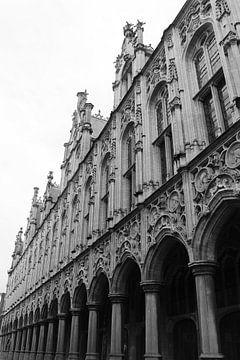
(167,212)
(220,171)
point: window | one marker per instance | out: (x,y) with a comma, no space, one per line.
(63,236)
(164,134)
(129,167)
(105,193)
(74,221)
(212,87)
(86,214)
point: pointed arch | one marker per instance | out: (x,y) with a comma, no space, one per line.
(99,287)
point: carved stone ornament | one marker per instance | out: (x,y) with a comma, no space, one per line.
(89,165)
(230,39)
(233,155)
(172,71)
(192,18)
(128,112)
(221,171)
(129,239)
(222,9)
(169,40)
(83,269)
(157,70)
(102,257)
(167,211)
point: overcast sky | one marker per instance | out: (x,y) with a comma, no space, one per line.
(50,50)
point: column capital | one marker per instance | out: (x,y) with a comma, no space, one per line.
(203,267)
(151,286)
(117,298)
(75,311)
(93,306)
(62,316)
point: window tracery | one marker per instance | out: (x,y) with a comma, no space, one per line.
(212,86)
(129,166)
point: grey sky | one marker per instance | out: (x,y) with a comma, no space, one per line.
(50,50)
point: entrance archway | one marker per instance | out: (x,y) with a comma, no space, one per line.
(230,336)
(185,340)
(227,286)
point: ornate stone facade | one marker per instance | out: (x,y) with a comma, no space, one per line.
(136,253)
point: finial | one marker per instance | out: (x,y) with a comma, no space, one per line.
(128,29)
(35,194)
(19,235)
(140,24)
(82,98)
(50,176)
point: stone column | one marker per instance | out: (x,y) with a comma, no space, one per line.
(151,289)
(12,346)
(33,351)
(28,342)
(61,341)
(92,332)
(18,344)
(116,350)
(40,349)
(49,354)
(23,346)
(75,335)
(206,302)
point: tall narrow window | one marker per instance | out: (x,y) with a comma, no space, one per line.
(74,222)
(213,91)
(105,193)
(86,213)
(129,168)
(164,134)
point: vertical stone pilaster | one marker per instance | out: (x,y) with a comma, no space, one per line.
(60,352)
(206,302)
(49,354)
(18,345)
(40,350)
(75,335)
(33,351)
(13,342)
(116,350)
(151,289)
(28,342)
(23,345)
(92,353)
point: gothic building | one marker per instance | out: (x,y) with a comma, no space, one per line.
(137,253)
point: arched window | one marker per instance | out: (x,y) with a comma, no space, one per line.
(129,167)
(53,247)
(212,87)
(162,133)
(105,192)
(63,236)
(86,212)
(74,222)
(162,111)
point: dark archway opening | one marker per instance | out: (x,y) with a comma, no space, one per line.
(180,304)
(227,286)
(134,316)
